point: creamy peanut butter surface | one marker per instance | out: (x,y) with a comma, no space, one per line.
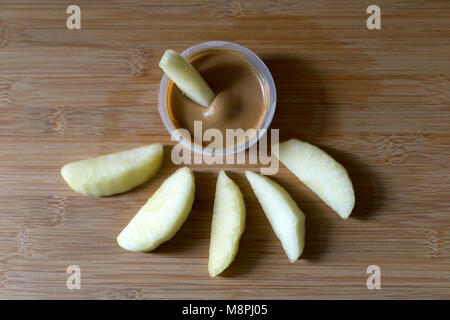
(241,96)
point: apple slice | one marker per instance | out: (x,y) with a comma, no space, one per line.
(321,173)
(114,173)
(163,214)
(227,226)
(186,78)
(286,218)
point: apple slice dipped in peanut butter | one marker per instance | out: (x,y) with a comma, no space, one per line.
(189,80)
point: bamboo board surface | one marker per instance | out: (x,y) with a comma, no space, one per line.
(376,100)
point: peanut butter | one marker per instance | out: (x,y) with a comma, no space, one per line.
(241,95)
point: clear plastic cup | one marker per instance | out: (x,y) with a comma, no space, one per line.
(265,76)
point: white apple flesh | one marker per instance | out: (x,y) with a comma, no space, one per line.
(285,217)
(114,173)
(163,214)
(187,78)
(320,173)
(228,224)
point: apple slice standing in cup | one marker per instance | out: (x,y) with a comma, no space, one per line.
(186,78)
(163,214)
(285,217)
(228,224)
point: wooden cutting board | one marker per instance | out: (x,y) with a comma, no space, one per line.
(376,100)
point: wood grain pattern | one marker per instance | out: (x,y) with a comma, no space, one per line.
(378,101)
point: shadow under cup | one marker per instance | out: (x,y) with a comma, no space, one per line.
(266,79)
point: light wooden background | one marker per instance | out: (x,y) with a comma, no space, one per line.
(378,101)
